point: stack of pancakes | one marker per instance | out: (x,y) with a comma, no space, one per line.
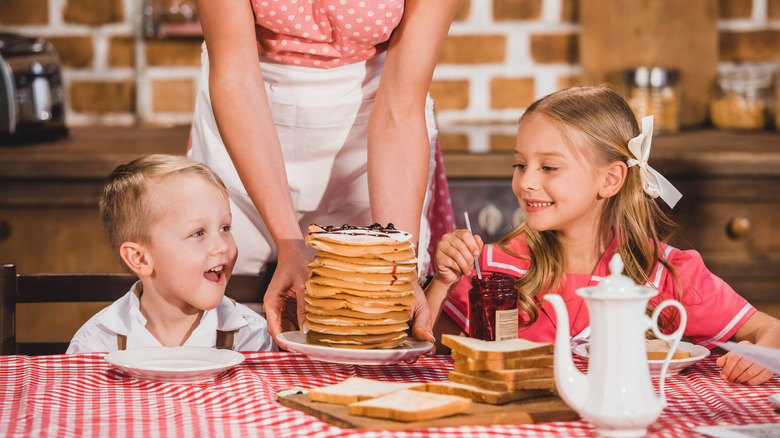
(359,292)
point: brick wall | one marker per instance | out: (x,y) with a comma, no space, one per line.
(499,57)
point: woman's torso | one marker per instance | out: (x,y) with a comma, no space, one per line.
(324,33)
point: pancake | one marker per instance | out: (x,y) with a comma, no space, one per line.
(390,340)
(355,235)
(364,277)
(320,291)
(369,307)
(380,267)
(387,252)
(369,259)
(399,316)
(343,284)
(345,321)
(356,330)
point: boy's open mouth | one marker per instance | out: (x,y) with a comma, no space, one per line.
(214,274)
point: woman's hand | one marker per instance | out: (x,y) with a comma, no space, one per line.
(284,303)
(740,370)
(455,255)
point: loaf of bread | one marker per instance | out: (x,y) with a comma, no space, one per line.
(355,389)
(407,405)
(497,372)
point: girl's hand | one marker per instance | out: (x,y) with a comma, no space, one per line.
(284,301)
(455,255)
(740,370)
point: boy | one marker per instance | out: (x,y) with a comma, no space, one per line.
(168,218)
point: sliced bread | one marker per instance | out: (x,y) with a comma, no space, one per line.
(478,394)
(658,348)
(494,350)
(546,383)
(505,375)
(355,389)
(407,405)
(538,361)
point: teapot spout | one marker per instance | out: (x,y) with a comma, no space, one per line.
(573,386)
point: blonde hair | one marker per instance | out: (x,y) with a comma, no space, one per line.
(127,206)
(597,123)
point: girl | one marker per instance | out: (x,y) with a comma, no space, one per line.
(581,178)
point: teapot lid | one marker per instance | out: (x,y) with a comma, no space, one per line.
(617,285)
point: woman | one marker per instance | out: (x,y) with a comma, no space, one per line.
(333,115)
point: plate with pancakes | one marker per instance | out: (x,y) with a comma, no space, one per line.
(410,349)
(359,296)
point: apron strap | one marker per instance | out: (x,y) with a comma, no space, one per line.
(121,342)
(225,339)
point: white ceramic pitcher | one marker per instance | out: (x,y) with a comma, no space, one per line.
(616,395)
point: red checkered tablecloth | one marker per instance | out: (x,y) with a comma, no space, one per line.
(83,396)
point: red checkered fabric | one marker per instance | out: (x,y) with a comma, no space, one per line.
(83,396)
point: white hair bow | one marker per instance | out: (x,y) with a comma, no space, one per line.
(654,183)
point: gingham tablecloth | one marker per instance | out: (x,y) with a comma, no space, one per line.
(83,396)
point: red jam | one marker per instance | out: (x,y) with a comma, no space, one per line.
(493,307)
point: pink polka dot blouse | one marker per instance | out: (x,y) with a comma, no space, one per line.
(324,33)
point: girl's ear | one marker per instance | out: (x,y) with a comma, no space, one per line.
(136,258)
(613,178)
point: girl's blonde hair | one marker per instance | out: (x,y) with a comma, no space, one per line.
(597,123)
(127,206)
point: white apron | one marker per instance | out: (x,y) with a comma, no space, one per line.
(321,117)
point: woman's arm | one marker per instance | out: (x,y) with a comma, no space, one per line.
(243,116)
(759,329)
(398,146)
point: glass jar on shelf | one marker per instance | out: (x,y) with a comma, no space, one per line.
(746,94)
(654,91)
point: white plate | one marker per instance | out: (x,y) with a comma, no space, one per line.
(296,341)
(174,364)
(675,365)
(775,399)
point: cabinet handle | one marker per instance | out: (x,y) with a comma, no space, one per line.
(739,226)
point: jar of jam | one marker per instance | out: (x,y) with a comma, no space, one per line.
(493,307)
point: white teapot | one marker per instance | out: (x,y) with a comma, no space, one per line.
(616,395)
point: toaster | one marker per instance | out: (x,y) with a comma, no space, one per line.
(32,98)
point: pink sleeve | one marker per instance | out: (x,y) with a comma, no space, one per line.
(715,311)
(457,304)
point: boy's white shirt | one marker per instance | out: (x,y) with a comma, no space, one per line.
(124,317)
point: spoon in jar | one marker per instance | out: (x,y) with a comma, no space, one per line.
(468,227)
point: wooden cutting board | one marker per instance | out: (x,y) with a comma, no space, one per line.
(535,410)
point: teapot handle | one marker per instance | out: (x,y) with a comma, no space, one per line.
(673,338)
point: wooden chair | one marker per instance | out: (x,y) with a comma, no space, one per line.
(67,288)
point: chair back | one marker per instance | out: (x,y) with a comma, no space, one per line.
(71,288)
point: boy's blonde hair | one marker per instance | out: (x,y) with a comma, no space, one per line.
(127,206)
(597,123)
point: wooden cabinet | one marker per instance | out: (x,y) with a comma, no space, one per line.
(49,220)
(730,210)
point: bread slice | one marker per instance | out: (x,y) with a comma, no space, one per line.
(407,405)
(494,350)
(478,394)
(546,383)
(658,348)
(505,375)
(538,361)
(355,389)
